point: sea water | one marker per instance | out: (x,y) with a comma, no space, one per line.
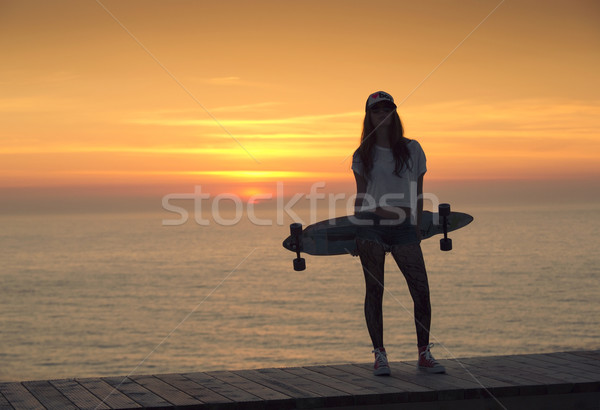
(116,294)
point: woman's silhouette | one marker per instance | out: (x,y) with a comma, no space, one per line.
(389,170)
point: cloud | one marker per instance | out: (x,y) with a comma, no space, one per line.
(514,118)
(258,107)
(223,80)
(227,81)
(236,175)
(36,104)
(223,149)
(23,77)
(244,122)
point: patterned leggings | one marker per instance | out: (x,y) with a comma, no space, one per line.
(410,261)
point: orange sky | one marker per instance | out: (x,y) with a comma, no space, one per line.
(168,95)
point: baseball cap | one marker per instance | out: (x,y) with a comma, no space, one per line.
(378,97)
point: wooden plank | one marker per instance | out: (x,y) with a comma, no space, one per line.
(195,390)
(548,373)
(528,371)
(233,393)
(365,370)
(79,395)
(298,380)
(552,377)
(4,404)
(580,358)
(289,385)
(136,392)
(349,389)
(496,369)
(272,398)
(443,385)
(166,391)
(357,379)
(573,364)
(108,394)
(382,392)
(19,397)
(551,370)
(286,383)
(411,391)
(48,395)
(493,370)
(464,371)
(433,381)
(492,388)
(560,367)
(341,393)
(591,355)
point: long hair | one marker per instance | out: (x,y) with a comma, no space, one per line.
(397,143)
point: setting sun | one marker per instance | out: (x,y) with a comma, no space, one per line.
(255,195)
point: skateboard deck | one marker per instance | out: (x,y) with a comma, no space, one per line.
(338,236)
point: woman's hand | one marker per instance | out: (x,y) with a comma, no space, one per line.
(418,231)
(355,251)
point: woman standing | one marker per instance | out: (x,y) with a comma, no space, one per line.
(389,170)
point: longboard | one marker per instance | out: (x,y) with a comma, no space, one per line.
(337,236)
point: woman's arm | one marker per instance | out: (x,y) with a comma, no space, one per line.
(419,204)
(361,189)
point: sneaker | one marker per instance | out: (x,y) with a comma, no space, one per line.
(381,367)
(427,362)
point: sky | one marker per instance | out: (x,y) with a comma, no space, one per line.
(145,98)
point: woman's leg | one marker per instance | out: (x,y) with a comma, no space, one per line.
(410,261)
(372,258)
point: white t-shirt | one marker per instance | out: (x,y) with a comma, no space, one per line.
(384,188)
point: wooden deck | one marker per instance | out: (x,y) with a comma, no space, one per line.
(567,380)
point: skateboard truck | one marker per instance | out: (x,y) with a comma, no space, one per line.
(445,242)
(296,233)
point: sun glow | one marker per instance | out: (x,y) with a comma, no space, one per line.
(255,195)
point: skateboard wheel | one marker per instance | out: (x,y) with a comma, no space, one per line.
(299,264)
(296,229)
(444,209)
(446,244)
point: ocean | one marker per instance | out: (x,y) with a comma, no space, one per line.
(122,293)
